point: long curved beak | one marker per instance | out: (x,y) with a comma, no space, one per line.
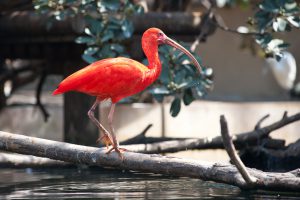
(169,41)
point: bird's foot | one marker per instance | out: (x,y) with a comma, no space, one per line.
(105,139)
(118,150)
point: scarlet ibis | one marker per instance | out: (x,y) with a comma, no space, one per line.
(117,78)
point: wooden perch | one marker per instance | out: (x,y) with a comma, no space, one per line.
(239,140)
(224,173)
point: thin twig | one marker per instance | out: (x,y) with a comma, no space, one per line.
(258,124)
(285,115)
(228,144)
(221,24)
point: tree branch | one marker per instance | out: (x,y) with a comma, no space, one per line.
(240,140)
(224,173)
(258,124)
(228,144)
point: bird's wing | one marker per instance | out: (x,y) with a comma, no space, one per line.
(107,78)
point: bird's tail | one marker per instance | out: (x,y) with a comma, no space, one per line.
(57,91)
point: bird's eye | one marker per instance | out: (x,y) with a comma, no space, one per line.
(160,34)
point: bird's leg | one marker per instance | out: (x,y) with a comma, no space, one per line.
(114,138)
(106,136)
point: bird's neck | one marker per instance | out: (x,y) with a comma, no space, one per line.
(151,51)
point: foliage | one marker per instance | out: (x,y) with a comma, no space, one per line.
(107,25)
(271,17)
(179,79)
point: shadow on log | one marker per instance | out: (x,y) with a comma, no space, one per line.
(278,160)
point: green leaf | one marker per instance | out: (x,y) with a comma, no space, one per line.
(159,97)
(85,39)
(91,50)
(117,47)
(139,9)
(264,40)
(111,4)
(280,25)
(106,51)
(88,58)
(94,25)
(188,97)
(60,15)
(190,84)
(88,31)
(283,46)
(107,36)
(84,2)
(127,28)
(161,90)
(269,5)
(180,76)
(175,107)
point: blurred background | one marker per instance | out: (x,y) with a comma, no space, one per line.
(43,41)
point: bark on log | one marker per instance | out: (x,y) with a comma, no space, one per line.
(250,138)
(16,160)
(224,173)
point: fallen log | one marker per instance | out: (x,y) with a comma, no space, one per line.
(92,156)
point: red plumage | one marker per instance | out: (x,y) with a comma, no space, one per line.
(113,78)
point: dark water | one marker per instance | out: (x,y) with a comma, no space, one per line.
(83,183)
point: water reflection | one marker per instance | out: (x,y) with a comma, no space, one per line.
(112,184)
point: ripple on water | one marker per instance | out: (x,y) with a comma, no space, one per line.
(100,183)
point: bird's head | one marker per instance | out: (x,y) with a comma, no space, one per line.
(157,35)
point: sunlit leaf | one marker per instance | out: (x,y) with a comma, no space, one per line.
(290,5)
(242,29)
(88,31)
(280,25)
(91,50)
(160,90)
(294,20)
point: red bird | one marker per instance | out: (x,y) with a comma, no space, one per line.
(117,78)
